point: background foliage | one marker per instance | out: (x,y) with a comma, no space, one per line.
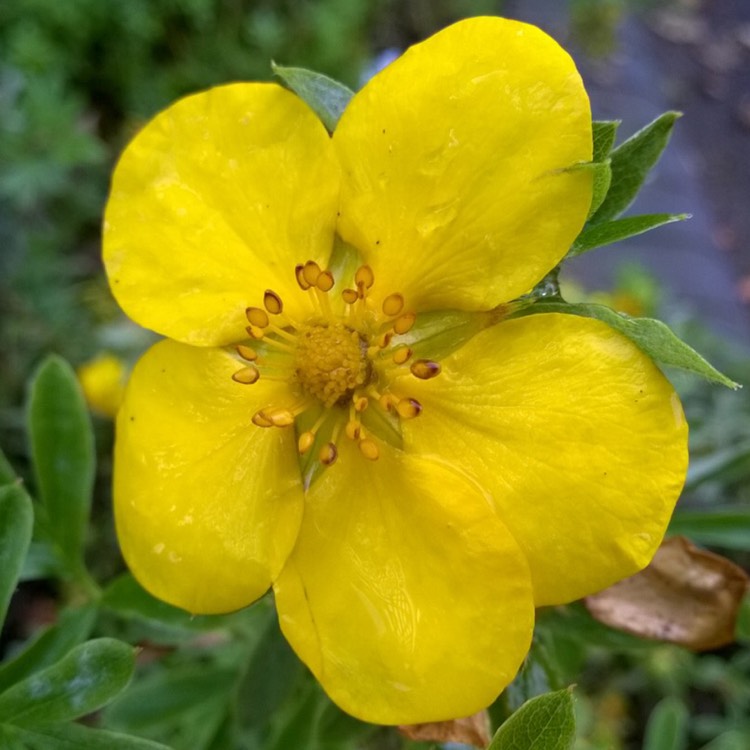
(77,78)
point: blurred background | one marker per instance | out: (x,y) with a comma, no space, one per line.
(79,77)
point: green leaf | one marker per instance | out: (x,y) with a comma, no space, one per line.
(721,527)
(7,475)
(16,524)
(73,627)
(602,181)
(597,235)
(653,337)
(631,162)
(42,562)
(81,682)
(729,464)
(73,737)
(604,134)
(62,449)
(667,726)
(546,722)
(326,97)
(128,599)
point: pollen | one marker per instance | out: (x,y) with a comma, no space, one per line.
(330,362)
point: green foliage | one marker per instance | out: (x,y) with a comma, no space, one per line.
(546,722)
(16,521)
(326,97)
(667,726)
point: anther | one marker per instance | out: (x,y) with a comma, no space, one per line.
(328,454)
(324,282)
(408,408)
(305,442)
(402,355)
(364,277)
(300,276)
(388,401)
(393,304)
(279,417)
(261,420)
(272,302)
(310,272)
(257,317)
(353,430)
(247,375)
(254,332)
(404,323)
(424,369)
(361,403)
(247,353)
(369,449)
(349,296)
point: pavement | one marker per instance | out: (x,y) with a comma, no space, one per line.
(694,259)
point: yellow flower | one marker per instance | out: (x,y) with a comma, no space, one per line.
(529,464)
(103,382)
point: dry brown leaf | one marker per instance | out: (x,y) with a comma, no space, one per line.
(473,730)
(686,595)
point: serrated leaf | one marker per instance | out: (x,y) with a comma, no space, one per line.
(667,727)
(84,680)
(62,449)
(719,527)
(16,525)
(326,97)
(597,235)
(73,737)
(652,337)
(631,162)
(73,627)
(604,133)
(546,722)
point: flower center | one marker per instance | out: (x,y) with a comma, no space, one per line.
(331,361)
(337,362)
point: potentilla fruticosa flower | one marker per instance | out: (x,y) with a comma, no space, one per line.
(342,409)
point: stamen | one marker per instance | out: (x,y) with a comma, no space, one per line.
(349,296)
(388,401)
(353,430)
(255,333)
(401,355)
(364,277)
(424,369)
(328,454)
(369,449)
(404,323)
(300,276)
(272,302)
(247,375)
(272,342)
(393,304)
(281,332)
(305,442)
(361,403)
(325,282)
(257,317)
(408,408)
(278,417)
(260,420)
(310,272)
(247,353)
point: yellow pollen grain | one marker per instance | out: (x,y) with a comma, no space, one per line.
(424,369)
(257,317)
(272,302)
(404,323)
(393,304)
(247,375)
(247,353)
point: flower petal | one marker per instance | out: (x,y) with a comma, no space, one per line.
(215,201)
(207,505)
(452,159)
(405,595)
(579,438)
